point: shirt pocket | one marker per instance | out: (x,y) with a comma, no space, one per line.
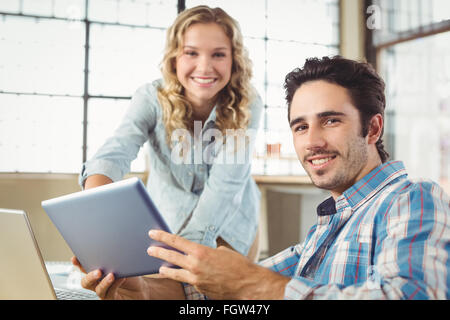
(349,262)
(183,174)
(162,167)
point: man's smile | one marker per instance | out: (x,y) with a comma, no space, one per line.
(320,162)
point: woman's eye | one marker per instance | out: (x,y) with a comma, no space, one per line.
(219,54)
(190,53)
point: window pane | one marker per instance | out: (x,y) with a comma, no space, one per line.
(71,9)
(40,134)
(104,117)
(260,143)
(45,56)
(12,6)
(404,15)
(103,10)
(418,100)
(123,58)
(256,51)
(161,13)
(296,19)
(37,7)
(153,13)
(252,25)
(276,96)
(441,10)
(132,12)
(260,88)
(278,130)
(294,55)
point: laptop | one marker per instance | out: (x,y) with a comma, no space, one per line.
(23,275)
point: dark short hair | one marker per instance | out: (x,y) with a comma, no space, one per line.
(364,85)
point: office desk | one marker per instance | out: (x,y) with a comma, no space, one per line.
(288,210)
(282,180)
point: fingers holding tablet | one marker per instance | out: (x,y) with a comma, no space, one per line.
(93,280)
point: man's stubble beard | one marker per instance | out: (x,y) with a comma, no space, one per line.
(351,163)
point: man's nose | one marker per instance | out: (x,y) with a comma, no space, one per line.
(315,138)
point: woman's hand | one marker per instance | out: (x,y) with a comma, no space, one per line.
(109,288)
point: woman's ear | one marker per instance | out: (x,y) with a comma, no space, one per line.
(375,128)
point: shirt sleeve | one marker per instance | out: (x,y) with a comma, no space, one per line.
(223,191)
(284,263)
(113,159)
(192,294)
(410,253)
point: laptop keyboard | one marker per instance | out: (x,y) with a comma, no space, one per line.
(66,294)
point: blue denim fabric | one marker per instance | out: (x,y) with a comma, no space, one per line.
(199,201)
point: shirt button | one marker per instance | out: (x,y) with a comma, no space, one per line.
(190,173)
(212,228)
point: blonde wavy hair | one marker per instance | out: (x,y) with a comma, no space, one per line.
(233,100)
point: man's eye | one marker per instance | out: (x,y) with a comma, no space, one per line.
(301,128)
(332,121)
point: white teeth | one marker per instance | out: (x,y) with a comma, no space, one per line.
(199,80)
(320,161)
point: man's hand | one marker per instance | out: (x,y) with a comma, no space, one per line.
(135,288)
(218,273)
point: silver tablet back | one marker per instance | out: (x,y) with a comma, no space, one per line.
(107,227)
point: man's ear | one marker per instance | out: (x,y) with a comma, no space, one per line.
(375,128)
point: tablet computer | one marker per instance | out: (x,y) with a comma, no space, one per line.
(107,227)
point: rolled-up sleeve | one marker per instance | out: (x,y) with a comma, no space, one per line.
(285,263)
(114,157)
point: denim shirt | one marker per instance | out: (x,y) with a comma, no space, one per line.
(199,201)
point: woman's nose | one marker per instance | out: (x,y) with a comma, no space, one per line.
(204,64)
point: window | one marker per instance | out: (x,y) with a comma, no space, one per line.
(69,67)
(67,71)
(41,83)
(413,46)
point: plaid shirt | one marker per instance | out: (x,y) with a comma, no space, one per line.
(386,237)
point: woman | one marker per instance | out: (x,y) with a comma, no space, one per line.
(206,77)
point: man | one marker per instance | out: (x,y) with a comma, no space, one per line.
(379,236)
